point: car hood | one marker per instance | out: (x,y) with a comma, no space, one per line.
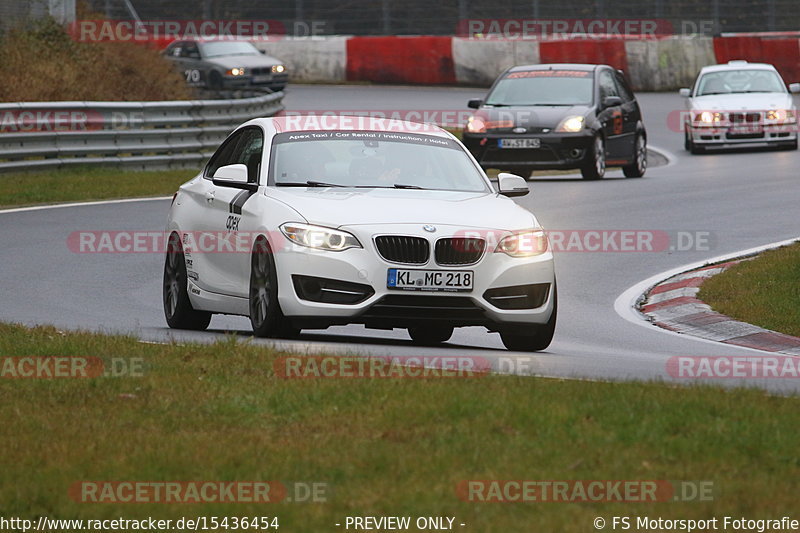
(246,61)
(742,102)
(351,207)
(529,117)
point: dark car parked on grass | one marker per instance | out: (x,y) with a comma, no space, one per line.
(559,116)
(217,64)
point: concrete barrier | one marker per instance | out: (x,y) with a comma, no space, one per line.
(667,64)
(480,62)
(657,64)
(784,53)
(418,60)
(315,60)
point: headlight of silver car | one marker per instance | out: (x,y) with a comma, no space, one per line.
(524,244)
(319,237)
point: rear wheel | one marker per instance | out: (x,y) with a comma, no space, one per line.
(430,335)
(178,309)
(266,316)
(535,339)
(639,165)
(594,167)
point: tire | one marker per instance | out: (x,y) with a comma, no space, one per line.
(639,165)
(178,308)
(594,168)
(791,145)
(541,336)
(690,146)
(524,172)
(214,81)
(266,316)
(430,335)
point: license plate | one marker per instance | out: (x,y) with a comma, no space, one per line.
(261,79)
(746,130)
(519,143)
(430,280)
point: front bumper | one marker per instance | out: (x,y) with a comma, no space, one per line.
(271,81)
(753,133)
(557,151)
(386,308)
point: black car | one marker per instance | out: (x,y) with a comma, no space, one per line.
(559,116)
(226,64)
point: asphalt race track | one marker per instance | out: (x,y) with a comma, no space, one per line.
(743,199)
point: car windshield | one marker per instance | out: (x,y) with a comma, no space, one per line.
(371,159)
(543,87)
(228,48)
(740,81)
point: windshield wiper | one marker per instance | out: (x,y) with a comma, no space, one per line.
(309,183)
(405,186)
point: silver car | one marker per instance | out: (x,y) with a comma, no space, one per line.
(216,65)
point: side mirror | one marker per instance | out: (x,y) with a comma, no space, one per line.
(686,93)
(233,176)
(611,101)
(511,185)
(794,87)
(474,103)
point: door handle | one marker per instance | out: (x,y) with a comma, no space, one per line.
(210,196)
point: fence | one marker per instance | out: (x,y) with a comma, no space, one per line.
(132,134)
(422,17)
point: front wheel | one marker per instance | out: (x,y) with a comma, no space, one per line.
(266,316)
(430,335)
(538,338)
(639,165)
(594,168)
(178,309)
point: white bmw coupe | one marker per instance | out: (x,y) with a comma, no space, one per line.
(739,103)
(308,222)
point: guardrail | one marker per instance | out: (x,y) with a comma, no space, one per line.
(148,135)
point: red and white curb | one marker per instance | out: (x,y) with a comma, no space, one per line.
(672,304)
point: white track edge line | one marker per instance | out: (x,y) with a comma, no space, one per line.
(82,204)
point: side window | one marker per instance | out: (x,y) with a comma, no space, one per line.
(243,147)
(607,85)
(224,154)
(248,152)
(622,86)
(190,50)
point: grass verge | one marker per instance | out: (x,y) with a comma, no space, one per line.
(764,292)
(86,184)
(384,446)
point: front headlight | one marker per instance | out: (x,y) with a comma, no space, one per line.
(524,244)
(277,69)
(238,71)
(476,125)
(319,237)
(708,117)
(781,116)
(571,124)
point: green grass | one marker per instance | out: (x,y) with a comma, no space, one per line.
(85,184)
(384,446)
(764,291)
